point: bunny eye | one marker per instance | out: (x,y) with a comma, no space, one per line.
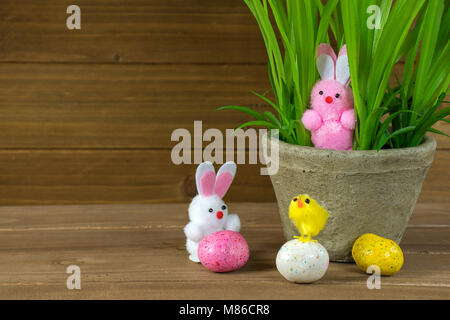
(224,207)
(337,95)
(321,92)
(211,210)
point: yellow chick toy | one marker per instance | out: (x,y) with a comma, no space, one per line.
(308,216)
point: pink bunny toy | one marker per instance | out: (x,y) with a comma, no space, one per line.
(331,118)
(208,213)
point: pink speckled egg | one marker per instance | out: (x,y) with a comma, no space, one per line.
(223,251)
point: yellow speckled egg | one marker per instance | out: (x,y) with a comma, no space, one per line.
(370,249)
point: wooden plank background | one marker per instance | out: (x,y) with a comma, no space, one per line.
(86,115)
(137,252)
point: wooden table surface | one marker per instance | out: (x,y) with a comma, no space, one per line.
(137,252)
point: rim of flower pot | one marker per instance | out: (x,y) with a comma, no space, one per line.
(357,160)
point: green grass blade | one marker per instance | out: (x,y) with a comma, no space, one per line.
(431,25)
(257,123)
(401,131)
(437,132)
(246,110)
(272,119)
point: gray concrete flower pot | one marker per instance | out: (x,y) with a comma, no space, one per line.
(363,191)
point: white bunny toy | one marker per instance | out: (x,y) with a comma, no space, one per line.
(208,213)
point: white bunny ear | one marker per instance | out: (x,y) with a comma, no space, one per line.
(205,178)
(224,178)
(326,60)
(342,67)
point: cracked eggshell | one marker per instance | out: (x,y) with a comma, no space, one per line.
(302,262)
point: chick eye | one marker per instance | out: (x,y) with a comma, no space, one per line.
(321,92)
(295,199)
(224,207)
(210,210)
(307,200)
(337,95)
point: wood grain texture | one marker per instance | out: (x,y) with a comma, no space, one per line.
(127,106)
(140,176)
(63,106)
(131,31)
(86,116)
(137,252)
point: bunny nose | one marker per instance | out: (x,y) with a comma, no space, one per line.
(219,214)
(329,99)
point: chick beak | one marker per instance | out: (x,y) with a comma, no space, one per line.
(299,203)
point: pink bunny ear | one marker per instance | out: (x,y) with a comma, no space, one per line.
(224,178)
(326,61)
(205,178)
(342,67)
(343,51)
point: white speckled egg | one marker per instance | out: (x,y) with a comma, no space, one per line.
(302,262)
